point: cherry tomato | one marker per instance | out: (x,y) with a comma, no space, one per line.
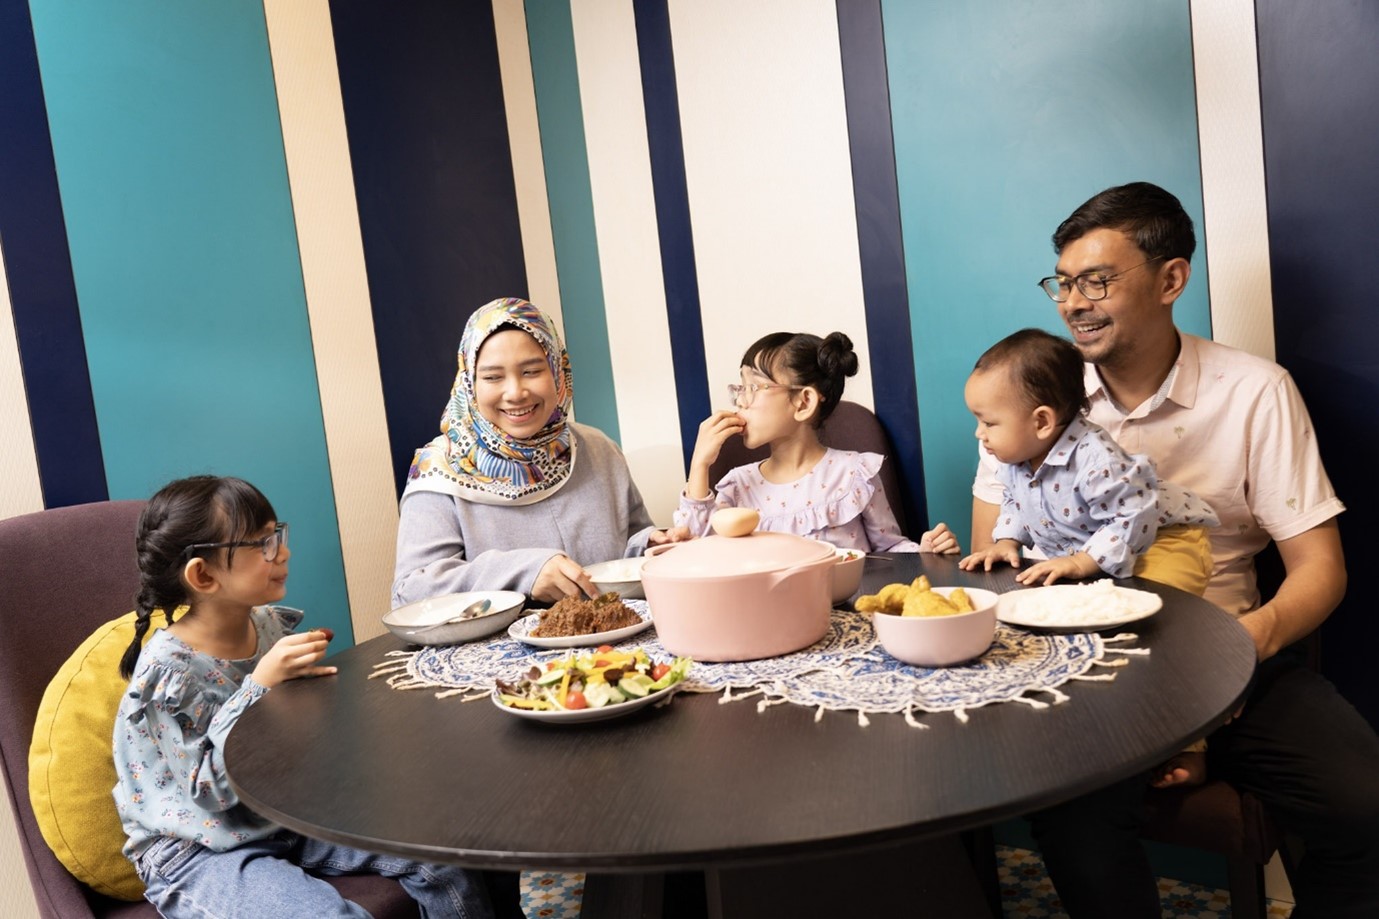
(659,671)
(600,662)
(550,665)
(575,699)
(604,649)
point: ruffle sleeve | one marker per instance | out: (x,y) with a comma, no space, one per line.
(845,483)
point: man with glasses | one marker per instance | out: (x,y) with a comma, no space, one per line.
(1232,428)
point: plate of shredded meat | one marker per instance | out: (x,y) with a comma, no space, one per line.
(576,622)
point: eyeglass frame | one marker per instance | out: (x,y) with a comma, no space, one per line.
(1079,280)
(750,390)
(278,537)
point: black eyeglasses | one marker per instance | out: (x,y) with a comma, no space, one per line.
(269,545)
(1091,284)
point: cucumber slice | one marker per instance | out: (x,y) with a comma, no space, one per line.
(635,685)
(551,677)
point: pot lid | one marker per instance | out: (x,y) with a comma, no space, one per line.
(721,556)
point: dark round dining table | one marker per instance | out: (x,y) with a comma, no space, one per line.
(703,784)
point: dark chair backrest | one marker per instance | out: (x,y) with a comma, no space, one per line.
(850,427)
(63,572)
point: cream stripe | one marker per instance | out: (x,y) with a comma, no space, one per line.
(770,176)
(337,296)
(528,168)
(629,250)
(20,489)
(1234,202)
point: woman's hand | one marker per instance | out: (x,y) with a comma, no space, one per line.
(1006,550)
(561,577)
(294,656)
(713,433)
(940,539)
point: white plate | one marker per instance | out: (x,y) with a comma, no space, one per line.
(578,715)
(1064,607)
(424,622)
(521,630)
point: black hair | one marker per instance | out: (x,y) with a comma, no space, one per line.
(1152,217)
(807,360)
(199,509)
(1048,370)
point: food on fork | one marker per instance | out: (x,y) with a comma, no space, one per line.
(577,616)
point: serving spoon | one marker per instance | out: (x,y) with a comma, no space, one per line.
(477,608)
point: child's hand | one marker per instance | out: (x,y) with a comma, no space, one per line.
(1006,550)
(294,656)
(673,534)
(940,539)
(1077,565)
(713,432)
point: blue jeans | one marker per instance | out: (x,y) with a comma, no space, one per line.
(275,877)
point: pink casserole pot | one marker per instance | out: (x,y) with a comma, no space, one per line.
(739,599)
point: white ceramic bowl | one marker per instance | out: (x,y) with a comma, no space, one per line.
(940,641)
(847,573)
(410,622)
(622,576)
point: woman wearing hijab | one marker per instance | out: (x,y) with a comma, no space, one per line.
(513,494)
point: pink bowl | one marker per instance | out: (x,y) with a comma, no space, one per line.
(847,574)
(940,641)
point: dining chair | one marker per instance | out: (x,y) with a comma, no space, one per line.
(1216,817)
(63,574)
(851,426)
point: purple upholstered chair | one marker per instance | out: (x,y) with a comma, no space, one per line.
(63,573)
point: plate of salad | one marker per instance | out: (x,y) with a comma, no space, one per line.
(593,686)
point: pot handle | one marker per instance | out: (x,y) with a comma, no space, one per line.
(663,548)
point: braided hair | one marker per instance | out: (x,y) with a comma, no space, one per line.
(199,509)
(806,360)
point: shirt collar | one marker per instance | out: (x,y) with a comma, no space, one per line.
(1062,449)
(1180,385)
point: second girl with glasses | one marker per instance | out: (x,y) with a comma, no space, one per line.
(215,546)
(791,382)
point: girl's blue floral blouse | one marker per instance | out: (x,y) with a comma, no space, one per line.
(170,735)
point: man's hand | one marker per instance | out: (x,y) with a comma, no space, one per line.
(1314,584)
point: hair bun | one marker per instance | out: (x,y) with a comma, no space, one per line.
(837,356)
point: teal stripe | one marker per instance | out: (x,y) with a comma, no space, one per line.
(174,185)
(561,119)
(1009,114)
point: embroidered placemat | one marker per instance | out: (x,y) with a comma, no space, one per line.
(847,670)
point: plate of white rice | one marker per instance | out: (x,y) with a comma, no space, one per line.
(1077,607)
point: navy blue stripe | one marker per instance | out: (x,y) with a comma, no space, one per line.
(1317,79)
(662,101)
(428,139)
(866,93)
(43,295)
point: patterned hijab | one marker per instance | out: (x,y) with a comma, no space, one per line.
(473,458)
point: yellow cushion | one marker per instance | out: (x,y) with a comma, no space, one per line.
(72,768)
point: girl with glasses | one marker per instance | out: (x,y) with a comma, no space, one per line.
(214,546)
(790,383)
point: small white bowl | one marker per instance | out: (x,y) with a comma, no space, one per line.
(622,576)
(847,573)
(940,641)
(410,622)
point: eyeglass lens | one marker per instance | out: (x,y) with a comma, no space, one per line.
(1091,286)
(273,542)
